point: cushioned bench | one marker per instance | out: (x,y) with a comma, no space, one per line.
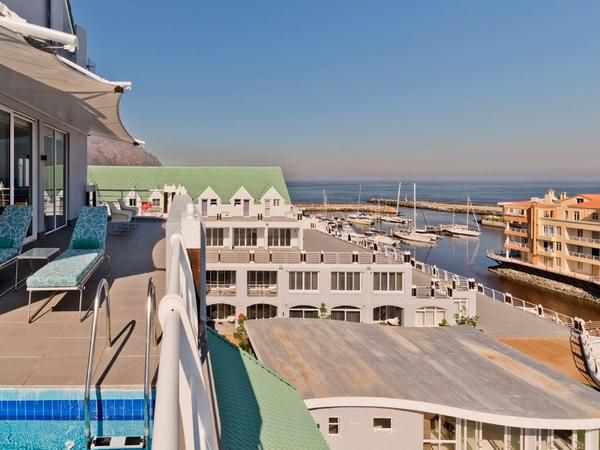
(71,270)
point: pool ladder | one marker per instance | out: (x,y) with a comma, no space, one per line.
(120,442)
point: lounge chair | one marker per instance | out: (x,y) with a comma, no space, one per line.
(14,223)
(71,270)
(130,209)
(119,216)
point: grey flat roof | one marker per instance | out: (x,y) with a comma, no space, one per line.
(457,367)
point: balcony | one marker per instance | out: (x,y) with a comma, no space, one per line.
(53,350)
(584,240)
(262,290)
(516,245)
(584,256)
(516,231)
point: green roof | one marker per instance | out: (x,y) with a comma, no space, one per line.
(225,181)
(257,408)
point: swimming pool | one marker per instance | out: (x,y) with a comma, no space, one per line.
(54,418)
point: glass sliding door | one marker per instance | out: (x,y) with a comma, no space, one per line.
(55,198)
(17,157)
(4,159)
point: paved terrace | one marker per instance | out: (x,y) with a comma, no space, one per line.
(542,339)
(452,366)
(53,350)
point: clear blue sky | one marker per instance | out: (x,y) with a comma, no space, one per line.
(359,89)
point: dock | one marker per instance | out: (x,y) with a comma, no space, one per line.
(485,210)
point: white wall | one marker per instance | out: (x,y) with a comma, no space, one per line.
(356,429)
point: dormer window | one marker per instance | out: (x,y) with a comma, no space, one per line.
(275,202)
(237,202)
(579,200)
(213,202)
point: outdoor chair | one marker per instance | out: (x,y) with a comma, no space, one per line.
(14,223)
(71,270)
(120,219)
(130,209)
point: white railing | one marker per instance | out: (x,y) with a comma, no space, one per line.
(517,230)
(503,297)
(590,348)
(181,389)
(583,239)
(584,256)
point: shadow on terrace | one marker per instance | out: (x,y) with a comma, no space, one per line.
(53,350)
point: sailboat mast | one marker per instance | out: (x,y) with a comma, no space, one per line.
(414,206)
(359,193)
(398,199)
(468,212)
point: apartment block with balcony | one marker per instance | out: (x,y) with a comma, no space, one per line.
(557,234)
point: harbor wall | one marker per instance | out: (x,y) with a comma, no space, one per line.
(491,210)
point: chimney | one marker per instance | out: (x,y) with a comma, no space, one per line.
(563,195)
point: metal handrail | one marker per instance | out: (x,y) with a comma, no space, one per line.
(103,288)
(151,334)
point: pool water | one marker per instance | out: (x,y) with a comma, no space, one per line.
(40,419)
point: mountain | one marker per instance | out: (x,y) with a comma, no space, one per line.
(108,152)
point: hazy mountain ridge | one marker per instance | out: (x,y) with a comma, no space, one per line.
(109,152)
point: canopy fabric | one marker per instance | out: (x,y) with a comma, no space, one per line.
(74,97)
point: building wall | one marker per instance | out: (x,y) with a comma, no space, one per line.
(555,239)
(356,428)
(366,299)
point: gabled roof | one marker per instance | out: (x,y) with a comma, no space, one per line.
(225,181)
(257,408)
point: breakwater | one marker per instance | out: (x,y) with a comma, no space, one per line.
(346,207)
(487,210)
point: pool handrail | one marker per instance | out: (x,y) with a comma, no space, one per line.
(103,289)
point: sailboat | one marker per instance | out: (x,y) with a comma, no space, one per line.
(360,218)
(397,218)
(464,230)
(412,234)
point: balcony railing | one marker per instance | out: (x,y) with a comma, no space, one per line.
(584,256)
(583,239)
(262,290)
(517,230)
(220,290)
(516,244)
(297,257)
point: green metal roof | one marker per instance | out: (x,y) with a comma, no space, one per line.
(225,181)
(257,408)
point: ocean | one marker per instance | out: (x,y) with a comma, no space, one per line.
(480,192)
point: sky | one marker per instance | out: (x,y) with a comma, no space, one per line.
(359,89)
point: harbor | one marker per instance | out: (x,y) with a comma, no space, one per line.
(466,256)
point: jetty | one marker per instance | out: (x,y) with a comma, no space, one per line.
(486,210)
(346,207)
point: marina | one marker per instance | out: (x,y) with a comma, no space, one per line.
(466,256)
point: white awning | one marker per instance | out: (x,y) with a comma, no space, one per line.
(60,89)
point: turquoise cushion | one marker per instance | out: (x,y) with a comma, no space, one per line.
(67,270)
(6,242)
(85,244)
(7,254)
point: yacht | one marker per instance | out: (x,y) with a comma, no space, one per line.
(464,230)
(413,234)
(361,219)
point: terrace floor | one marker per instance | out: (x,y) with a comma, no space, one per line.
(53,350)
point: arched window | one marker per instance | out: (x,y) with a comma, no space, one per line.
(429,316)
(304,312)
(387,312)
(261,311)
(220,311)
(346,313)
